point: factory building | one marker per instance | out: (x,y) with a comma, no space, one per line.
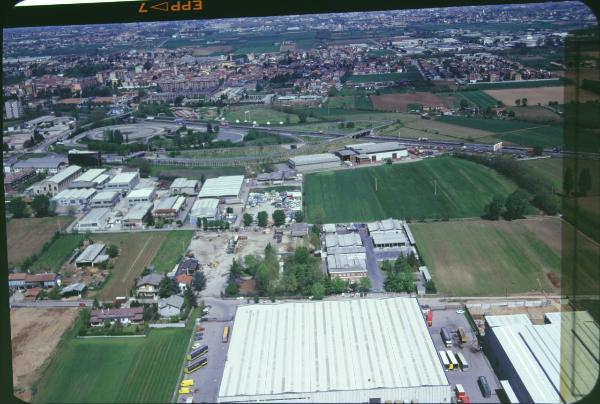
(346,256)
(105,199)
(373,152)
(95,219)
(169,207)
(204,209)
(134,219)
(555,362)
(124,181)
(183,186)
(140,195)
(92,178)
(50,165)
(333,351)
(388,233)
(228,188)
(77,198)
(312,162)
(58,182)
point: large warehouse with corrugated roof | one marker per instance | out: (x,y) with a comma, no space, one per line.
(229,186)
(333,351)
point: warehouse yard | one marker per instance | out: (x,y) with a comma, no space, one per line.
(116,369)
(35,333)
(433,188)
(487,258)
(27,236)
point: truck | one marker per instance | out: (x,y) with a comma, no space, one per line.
(446,337)
(462,335)
(429,318)
(203,350)
(484,386)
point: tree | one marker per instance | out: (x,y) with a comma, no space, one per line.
(232,289)
(263,218)
(338,286)
(278,217)
(299,216)
(18,208)
(190,298)
(41,205)
(547,202)
(585,181)
(112,251)
(247,218)
(493,210)
(568,181)
(524,102)
(199,281)
(289,283)
(318,291)
(302,117)
(95,304)
(365,284)
(516,205)
(168,287)
(464,104)
(318,215)
(538,150)
(202,179)
(412,260)
(258,87)
(518,102)
(209,128)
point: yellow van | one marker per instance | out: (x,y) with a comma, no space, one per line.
(184,390)
(187,383)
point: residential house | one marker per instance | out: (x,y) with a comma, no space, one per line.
(184,281)
(133,315)
(170,306)
(147,286)
(188,266)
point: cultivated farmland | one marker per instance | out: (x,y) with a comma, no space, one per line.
(116,369)
(551,169)
(479,258)
(477,98)
(27,236)
(534,95)
(58,253)
(172,250)
(433,188)
(401,102)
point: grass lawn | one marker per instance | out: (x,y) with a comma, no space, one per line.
(479,258)
(172,250)
(130,370)
(403,191)
(26,237)
(58,253)
(261,115)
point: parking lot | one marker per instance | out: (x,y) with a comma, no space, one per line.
(478,363)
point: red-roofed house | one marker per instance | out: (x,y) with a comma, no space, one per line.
(184,281)
(134,315)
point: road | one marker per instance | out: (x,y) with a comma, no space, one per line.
(373,271)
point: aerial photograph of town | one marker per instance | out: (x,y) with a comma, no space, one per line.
(343,207)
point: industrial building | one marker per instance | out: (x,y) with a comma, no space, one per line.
(276,177)
(50,165)
(360,350)
(169,207)
(105,199)
(311,162)
(92,178)
(92,255)
(13,180)
(134,219)
(182,186)
(391,233)
(77,198)
(346,256)
(228,187)
(204,209)
(95,219)
(374,152)
(58,182)
(124,181)
(555,362)
(140,195)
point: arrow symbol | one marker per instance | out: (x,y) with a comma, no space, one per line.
(161,6)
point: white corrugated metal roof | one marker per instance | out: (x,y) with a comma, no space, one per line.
(123,178)
(105,196)
(144,193)
(64,174)
(91,252)
(204,207)
(183,183)
(90,175)
(222,186)
(138,211)
(342,240)
(508,319)
(512,397)
(332,347)
(83,193)
(389,237)
(347,263)
(94,215)
(315,159)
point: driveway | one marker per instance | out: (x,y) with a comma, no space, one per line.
(373,270)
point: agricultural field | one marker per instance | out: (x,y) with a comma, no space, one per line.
(172,249)
(550,169)
(432,188)
(130,370)
(26,237)
(486,258)
(365,78)
(136,251)
(261,115)
(35,334)
(537,114)
(57,254)
(402,102)
(350,102)
(476,98)
(534,95)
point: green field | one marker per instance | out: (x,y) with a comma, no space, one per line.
(365,78)
(261,115)
(55,256)
(485,258)
(129,370)
(172,250)
(550,169)
(477,98)
(350,102)
(515,84)
(433,188)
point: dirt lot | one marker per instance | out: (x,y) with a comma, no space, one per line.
(35,333)
(210,248)
(400,102)
(446,129)
(27,236)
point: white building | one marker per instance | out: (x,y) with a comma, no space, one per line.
(312,162)
(105,199)
(140,195)
(169,207)
(341,351)
(222,187)
(77,198)
(375,152)
(59,181)
(134,219)
(13,109)
(93,177)
(204,208)
(96,219)
(124,181)
(184,186)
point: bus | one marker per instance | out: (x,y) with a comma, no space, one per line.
(203,350)
(461,359)
(446,337)
(453,361)
(484,386)
(225,334)
(462,335)
(444,359)
(192,367)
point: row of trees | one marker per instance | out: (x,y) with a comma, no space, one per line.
(399,274)
(513,207)
(40,205)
